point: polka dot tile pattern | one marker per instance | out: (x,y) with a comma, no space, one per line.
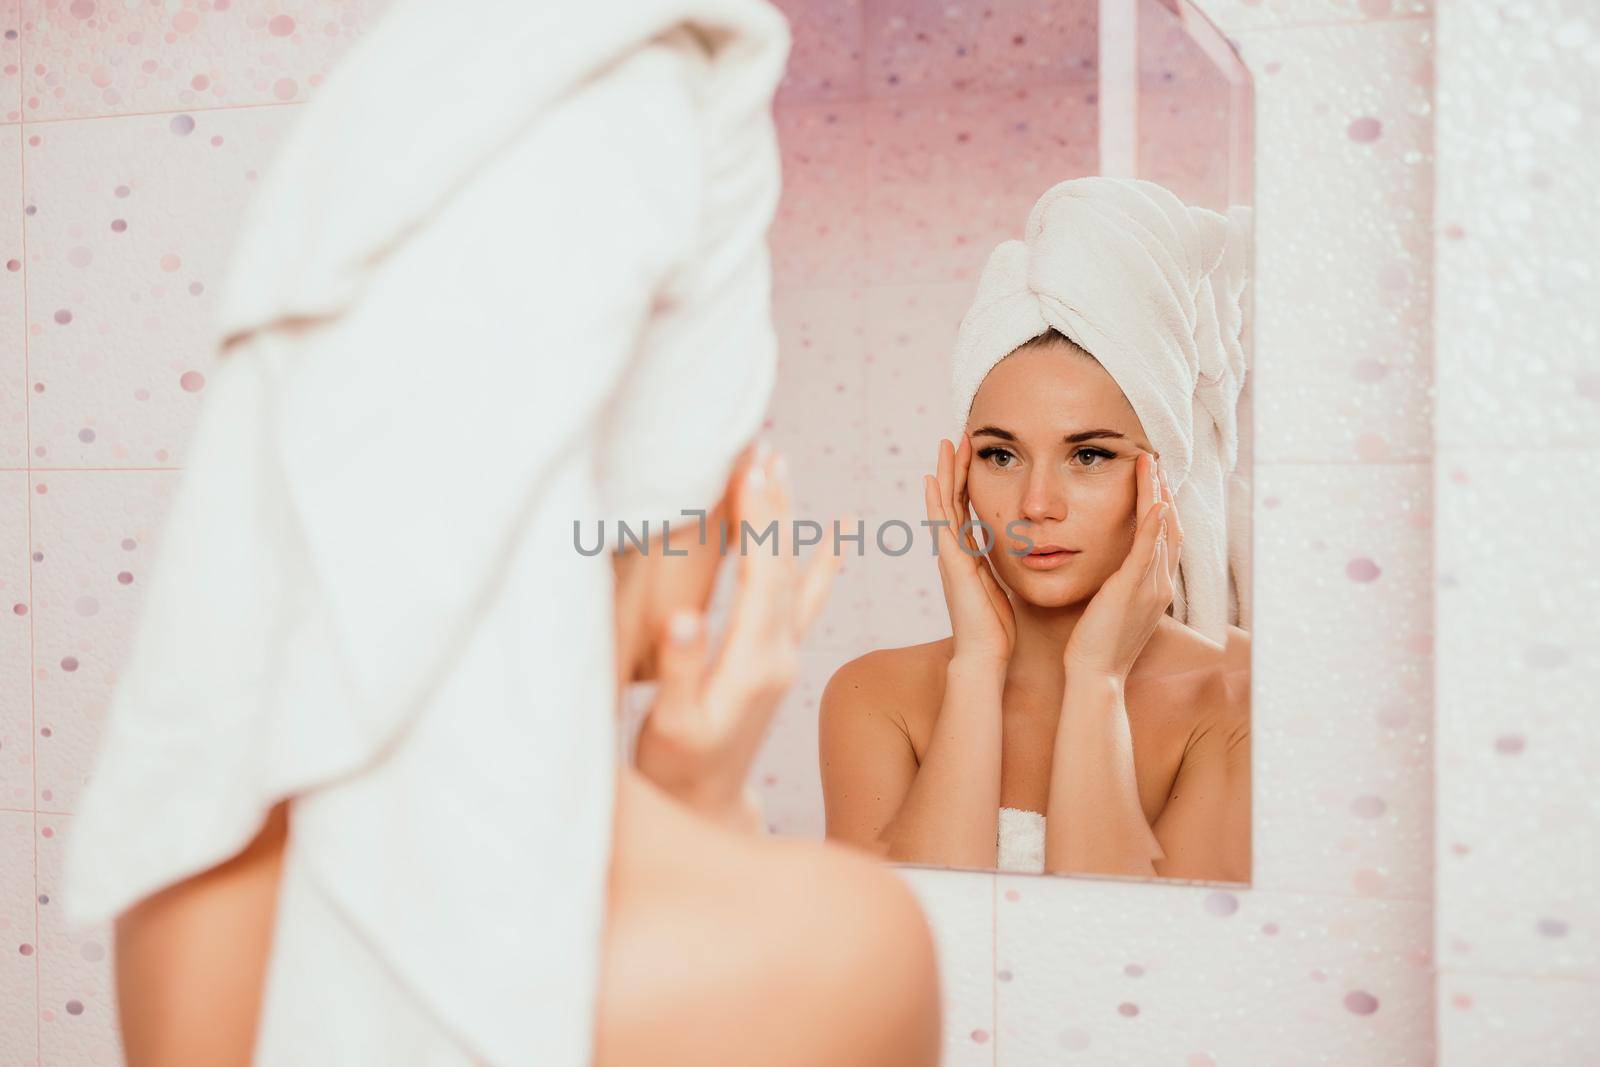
(1517,226)
(960,908)
(117,57)
(77,1018)
(1349,372)
(915,48)
(13,354)
(1517,841)
(1343,680)
(818,236)
(19,938)
(10,61)
(120,317)
(84,615)
(16,626)
(1518,832)
(1487,1019)
(910,330)
(1102,972)
(825,53)
(1169,56)
(1179,129)
(907,602)
(822,333)
(950,176)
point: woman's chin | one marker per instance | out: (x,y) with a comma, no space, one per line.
(1044,589)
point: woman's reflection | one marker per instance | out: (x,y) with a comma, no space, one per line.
(1070,724)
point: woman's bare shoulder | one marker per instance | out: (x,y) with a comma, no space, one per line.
(1211,679)
(1228,687)
(1177,649)
(1238,649)
(908,670)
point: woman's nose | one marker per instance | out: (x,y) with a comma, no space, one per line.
(1044,499)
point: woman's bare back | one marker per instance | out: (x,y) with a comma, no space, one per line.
(725,948)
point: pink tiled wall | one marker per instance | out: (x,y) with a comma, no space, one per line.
(130,137)
(915,135)
(1517,439)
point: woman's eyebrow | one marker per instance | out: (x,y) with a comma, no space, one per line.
(1070,439)
(1089,435)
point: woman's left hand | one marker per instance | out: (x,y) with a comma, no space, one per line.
(1120,618)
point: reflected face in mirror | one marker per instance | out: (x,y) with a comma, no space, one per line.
(1055,452)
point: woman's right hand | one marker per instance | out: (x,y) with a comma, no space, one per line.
(981,617)
(710,719)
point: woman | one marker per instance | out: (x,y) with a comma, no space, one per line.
(356,791)
(1110,737)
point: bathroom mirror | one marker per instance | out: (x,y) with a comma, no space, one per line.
(915,139)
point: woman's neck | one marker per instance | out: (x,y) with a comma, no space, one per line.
(1042,636)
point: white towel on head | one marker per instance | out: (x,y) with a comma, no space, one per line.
(501,257)
(1152,289)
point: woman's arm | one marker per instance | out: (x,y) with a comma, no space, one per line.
(1094,823)
(191,960)
(1205,828)
(951,813)
(944,811)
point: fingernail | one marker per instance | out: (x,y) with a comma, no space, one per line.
(684,626)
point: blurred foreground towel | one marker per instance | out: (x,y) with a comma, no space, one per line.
(1155,291)
(501,260)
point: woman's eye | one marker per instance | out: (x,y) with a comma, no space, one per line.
(991,452)
(1098,453)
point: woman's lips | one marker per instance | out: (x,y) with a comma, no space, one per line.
(1044,561)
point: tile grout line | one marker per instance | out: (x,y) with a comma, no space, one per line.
(1236,890)
(1512,974)
(79,470)
(157,114)
(27,433)
(1330,24)
(994,965)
